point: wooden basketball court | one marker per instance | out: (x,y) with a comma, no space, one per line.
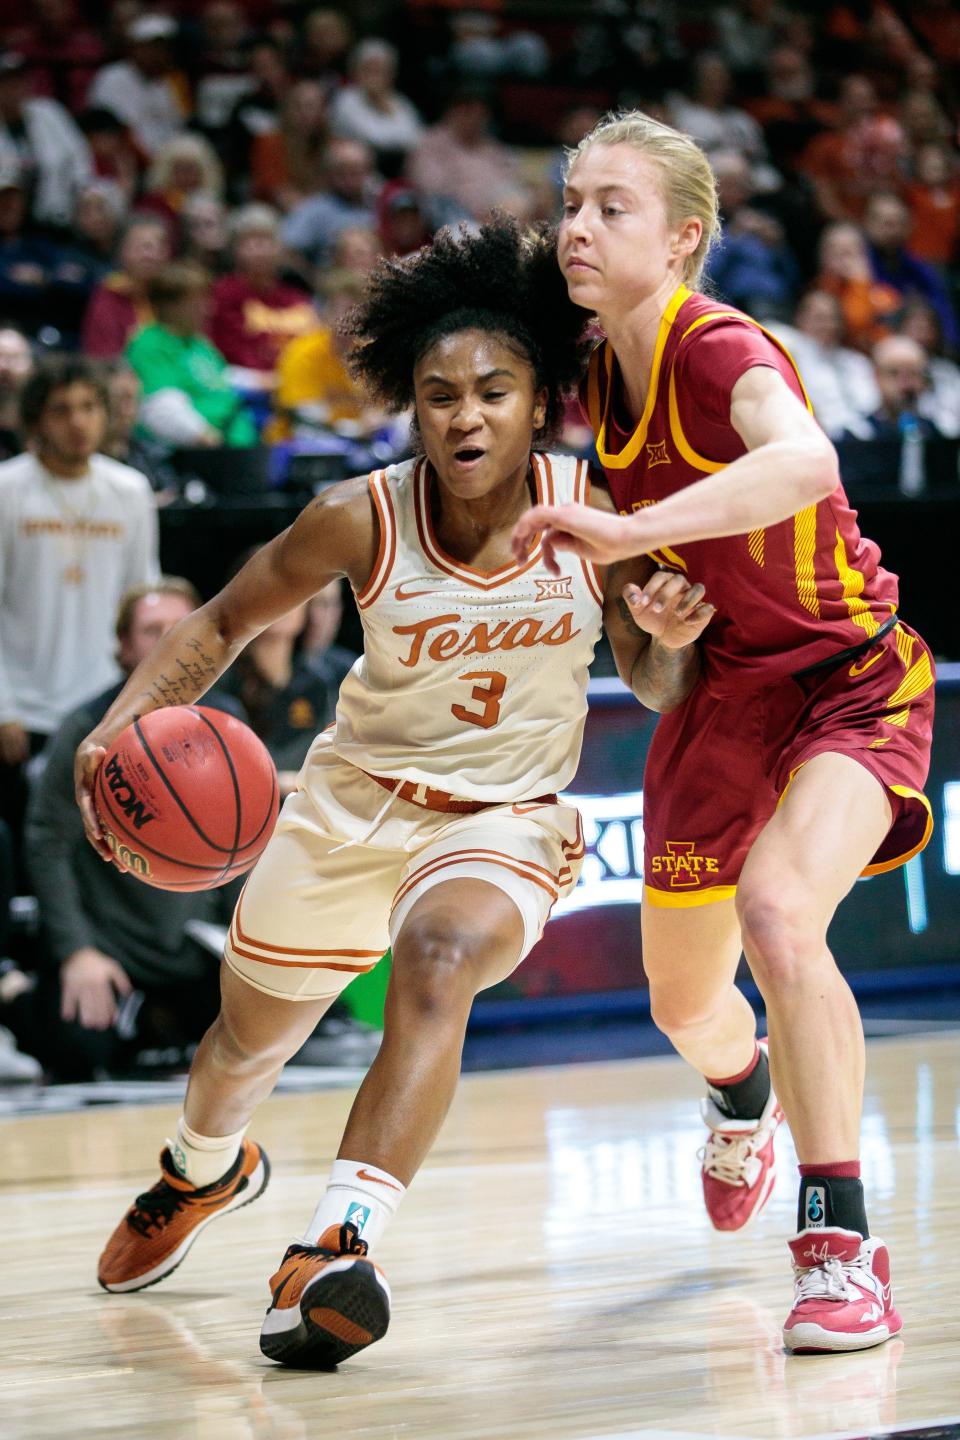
(552,1268)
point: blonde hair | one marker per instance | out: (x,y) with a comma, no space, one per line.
(186,147)
(689,184)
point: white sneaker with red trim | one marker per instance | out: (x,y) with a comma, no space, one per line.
(843,1299)
(739,1164)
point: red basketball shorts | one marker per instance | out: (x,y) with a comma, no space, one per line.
(718,768)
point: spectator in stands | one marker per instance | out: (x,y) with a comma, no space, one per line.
(887,226)
(76,531)
(372,110)
(870,308)
(318,643)
(327,38)
(356,249)
(715,124)
(112,946)
(125,442)
(221,76)
(185,167)
(82,262)
(257,112)
(753,267)
(746,32)
(788,108)
(112,151)
(63,51)
(26,260)
(41,141)
(254,313)
(347,196)
(119,304)
(100,211)
(460,170)
(933,199)
(44,284)
(923,119)
(900,368)
(839,381)
(940,401)
(285,698)
(204,233)
(315,390)
(480,49)
(16,367)
(144,91)
(188,399)
(863,151)
(402,224)
(287,159)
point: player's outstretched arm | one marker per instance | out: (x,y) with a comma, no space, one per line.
(789,465)
(337,534)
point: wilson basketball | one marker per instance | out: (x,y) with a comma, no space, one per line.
(187,798)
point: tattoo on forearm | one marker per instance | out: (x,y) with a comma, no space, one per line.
(663,678)
(192,674)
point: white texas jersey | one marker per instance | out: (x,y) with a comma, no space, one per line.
(470,682)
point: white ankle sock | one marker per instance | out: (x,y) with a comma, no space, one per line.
(201,1159)
(358,1193)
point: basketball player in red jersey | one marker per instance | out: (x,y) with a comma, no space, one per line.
(797,763)
(427,817)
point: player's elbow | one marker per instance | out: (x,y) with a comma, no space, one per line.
(821,469)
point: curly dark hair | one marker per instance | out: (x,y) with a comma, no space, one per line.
(501,279)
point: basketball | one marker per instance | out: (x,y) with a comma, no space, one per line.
(187,798)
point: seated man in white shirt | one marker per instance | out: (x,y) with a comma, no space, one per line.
(141,90)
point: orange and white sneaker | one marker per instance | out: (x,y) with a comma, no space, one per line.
(328,1301)
(843,1299)
(739,1163)
(161,1225)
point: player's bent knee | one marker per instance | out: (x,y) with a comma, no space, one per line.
(675,1014)
(780,936)
(435,971)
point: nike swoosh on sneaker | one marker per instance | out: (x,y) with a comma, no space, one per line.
(365,1175)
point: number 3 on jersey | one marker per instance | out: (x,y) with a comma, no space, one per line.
(487,693)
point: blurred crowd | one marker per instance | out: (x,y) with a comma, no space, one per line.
(191,196)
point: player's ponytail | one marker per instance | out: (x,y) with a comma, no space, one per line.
(689,185)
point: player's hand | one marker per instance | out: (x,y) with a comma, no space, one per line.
(90,756)
(89,985)
(591,534)
(14,743)
(669,608)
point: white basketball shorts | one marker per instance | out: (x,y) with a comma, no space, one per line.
(341,873)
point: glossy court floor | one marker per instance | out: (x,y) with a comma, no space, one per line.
(552,1269)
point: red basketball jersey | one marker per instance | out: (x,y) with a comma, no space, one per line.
(786,596)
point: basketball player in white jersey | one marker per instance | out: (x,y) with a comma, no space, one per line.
(427,817)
